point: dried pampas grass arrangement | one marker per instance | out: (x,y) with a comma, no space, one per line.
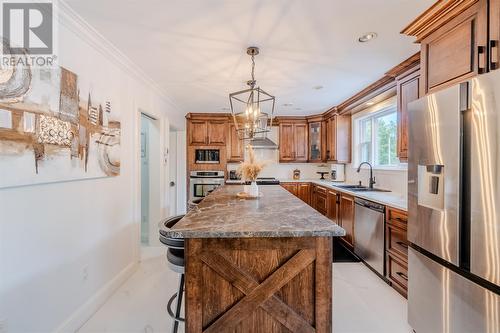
(250,169)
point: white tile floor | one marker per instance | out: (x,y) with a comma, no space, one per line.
(363,303)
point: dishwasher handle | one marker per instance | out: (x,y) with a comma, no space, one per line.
(370,205)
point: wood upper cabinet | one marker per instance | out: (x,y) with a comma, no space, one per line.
(494,35)
(217,131)
(346,217)
(407,91)
(304,192)
(316,142)
(453,37)
(293,144)
(207,132)
(198,130)
(332,205)
(338,139)
(235,146)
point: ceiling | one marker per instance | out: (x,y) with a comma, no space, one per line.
(195,50)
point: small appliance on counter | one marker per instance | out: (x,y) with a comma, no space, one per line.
(296,174)
(337,173)
(233,175)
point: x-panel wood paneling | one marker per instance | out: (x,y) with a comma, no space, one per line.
(259,285)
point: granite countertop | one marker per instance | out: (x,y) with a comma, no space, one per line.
(391,199)
(277,213)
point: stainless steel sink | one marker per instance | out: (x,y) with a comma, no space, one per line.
(361,188)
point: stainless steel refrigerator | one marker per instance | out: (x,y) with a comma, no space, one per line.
(454,209)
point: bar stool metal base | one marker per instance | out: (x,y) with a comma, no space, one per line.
(177,316)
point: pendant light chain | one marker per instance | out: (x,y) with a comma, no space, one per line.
(253,71)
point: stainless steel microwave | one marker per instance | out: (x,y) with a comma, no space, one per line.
(207,156)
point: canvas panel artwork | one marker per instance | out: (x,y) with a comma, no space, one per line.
(49,133)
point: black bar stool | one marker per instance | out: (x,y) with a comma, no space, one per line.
(175,259)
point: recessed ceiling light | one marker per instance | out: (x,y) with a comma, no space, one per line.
(288,104)
(367,37)
(370,103)
(317,87)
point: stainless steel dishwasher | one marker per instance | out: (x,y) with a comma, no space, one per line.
(369,233)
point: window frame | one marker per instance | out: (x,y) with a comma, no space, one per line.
(373,113)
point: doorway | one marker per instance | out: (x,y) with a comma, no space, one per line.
(150,176)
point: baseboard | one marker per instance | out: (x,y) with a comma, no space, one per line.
(84,312)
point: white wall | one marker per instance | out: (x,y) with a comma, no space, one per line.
(65,246)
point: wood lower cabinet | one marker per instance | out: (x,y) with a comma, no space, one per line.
(332,205)
(300,190)
(235,147)
(290,187)
(407,91)
(346,218)
(319,199)
(293,143)
(304,192)
(396,249)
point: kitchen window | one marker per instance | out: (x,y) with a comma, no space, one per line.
(376,138)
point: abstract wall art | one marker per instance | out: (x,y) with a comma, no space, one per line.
(49,133)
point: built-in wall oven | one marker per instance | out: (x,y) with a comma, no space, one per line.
(201,182)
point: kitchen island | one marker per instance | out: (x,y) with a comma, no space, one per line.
(257,265)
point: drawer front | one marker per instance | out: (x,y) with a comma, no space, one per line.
(397,242)
(320,204)
(320,190)
(397,272)
(397,216)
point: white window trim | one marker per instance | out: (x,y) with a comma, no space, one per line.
(378,109)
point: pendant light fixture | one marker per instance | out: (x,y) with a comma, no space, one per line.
(252,108)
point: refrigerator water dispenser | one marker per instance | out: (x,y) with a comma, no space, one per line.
(431,186)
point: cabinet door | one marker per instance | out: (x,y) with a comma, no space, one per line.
(494,18)
(217,130)
(290,187)
(301,142)
(332,201)
(456,51)
(407,88)
(342,132)
(286,142)
(235,146)
(347,217)
(198,132)
(304,192)
(330,139)
(319,199)
(315,142)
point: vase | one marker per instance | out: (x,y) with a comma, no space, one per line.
(254,189)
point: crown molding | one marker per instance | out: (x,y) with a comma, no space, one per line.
(438,14)
(71,20)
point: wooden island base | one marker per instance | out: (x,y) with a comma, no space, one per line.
(259,284)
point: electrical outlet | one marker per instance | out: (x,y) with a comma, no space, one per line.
(85,274)
(3,325)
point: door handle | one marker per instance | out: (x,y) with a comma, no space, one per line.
(493,55)
(402,244)
(402,275)
(481,53)
(172,184)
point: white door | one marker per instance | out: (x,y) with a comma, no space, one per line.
(172,174)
